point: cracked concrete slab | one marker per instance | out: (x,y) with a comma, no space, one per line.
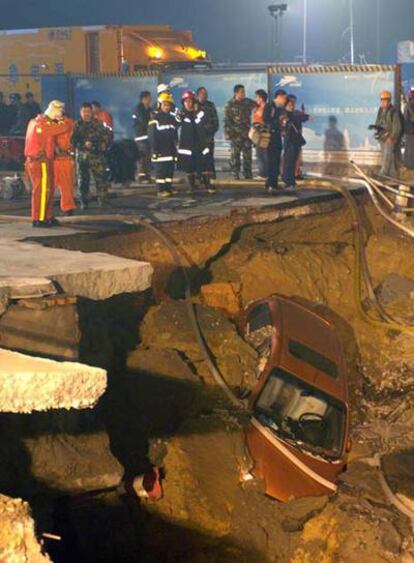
(30,384)
(96,276)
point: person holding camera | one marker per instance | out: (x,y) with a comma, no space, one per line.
(91,140)
(389,129)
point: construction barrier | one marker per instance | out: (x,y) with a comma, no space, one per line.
(343,100)
(348,94)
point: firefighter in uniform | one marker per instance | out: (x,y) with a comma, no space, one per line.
(64,168)
(194,153)
(91,139)
(237,120)
(162,133)
(39,152)
(141,117)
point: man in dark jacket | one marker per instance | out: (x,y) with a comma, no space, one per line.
(162,134)
(18,115)
(389,131)
(275,118)
(141,117)
(237,121)
(211,123)
(4,116)
(31,107)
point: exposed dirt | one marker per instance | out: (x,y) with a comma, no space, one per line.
(164,408)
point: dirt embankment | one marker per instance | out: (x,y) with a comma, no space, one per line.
(312,260)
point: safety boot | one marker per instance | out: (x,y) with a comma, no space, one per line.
(191,183)
(211,189)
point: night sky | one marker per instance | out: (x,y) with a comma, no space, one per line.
(238,30)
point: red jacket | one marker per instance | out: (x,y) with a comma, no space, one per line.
(106,118)
(40,136)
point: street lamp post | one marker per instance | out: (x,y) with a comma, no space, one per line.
(276,11)
(351,24)
(305,32)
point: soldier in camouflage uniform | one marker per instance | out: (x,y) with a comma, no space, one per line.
(91,140)
(237,121)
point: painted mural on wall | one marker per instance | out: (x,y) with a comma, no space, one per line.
(344,104)
(219,85)
(117,94)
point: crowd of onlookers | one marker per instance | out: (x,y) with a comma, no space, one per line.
(166,134)
(15,113)
(172,134)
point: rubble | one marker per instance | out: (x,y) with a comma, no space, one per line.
(19,288)
(168,326)
(18,541)
(35,384)
(222,296)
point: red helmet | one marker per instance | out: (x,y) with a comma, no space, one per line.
(188,95)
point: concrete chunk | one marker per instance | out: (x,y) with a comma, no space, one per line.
(18,542)
(34,384)
(19,288)
(93,275)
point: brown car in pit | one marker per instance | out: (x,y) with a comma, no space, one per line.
(298,436)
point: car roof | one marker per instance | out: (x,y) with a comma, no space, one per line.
(309,346)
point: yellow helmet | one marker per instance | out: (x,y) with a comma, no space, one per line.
(386,94)
(165,97)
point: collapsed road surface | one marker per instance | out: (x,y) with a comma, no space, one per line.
(163,408)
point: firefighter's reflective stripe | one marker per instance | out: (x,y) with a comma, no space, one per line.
(199,117)
(168,180)
(206,151)
(43,191)
(162,159)
(142,138)
(162,127)
(185,151)
(160,181)
(289,455)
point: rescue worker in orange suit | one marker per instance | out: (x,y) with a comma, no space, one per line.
(39,152)
(64,168)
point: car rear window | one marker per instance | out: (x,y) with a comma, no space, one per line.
(259,317)
(313,358)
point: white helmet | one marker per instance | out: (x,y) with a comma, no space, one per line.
(162,88)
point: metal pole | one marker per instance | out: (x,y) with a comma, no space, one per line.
(305,32)
(351,18)
(378,32)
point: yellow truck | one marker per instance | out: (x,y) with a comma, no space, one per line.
(27,54)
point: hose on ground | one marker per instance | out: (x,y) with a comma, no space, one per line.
(361,269)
